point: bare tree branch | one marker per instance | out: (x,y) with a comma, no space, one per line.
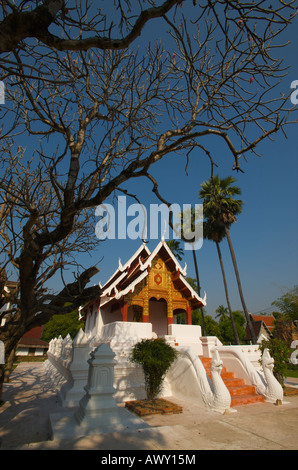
(20,25)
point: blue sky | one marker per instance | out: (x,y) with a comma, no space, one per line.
(265,235)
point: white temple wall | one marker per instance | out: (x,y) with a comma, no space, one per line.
(93,322)
(110,317)
(188,335)
(99,318)
(123,335)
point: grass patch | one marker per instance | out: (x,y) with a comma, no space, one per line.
(292,373)
(19,359)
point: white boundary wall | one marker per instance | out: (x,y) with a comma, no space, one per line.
(68,368)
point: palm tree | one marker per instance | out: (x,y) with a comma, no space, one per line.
(175,247)
(222,312)
(215,232)
(222,208)
(187,226)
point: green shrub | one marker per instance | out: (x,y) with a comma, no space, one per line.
(62,325)
(280,353)
(156,357)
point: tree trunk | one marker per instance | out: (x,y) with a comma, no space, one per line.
(1,380)
(248,320)
(227,294)
(10,340)
(9,365)
(199,290)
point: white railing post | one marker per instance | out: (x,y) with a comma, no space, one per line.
(79,370)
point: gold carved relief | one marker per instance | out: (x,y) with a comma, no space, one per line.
(170,296)
(158,275)
(157,284)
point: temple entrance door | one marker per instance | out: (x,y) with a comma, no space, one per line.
(158,316)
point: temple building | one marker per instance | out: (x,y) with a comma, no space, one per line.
(149,287)
(141,300)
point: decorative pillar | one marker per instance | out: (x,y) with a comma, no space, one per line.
(98,411)
(124,311)
(79,369)
(170,316)
(189,315)
(100,389)
(146,304)
(145,317)
(145,310)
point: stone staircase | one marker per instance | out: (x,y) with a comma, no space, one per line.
(241,393)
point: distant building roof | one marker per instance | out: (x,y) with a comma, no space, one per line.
(260,326)
(35,332)
(32,342)
(267,319)
(32,338)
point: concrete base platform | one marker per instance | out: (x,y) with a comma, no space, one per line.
(65,425)
(30,401)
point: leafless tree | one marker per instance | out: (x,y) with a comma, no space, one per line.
(92,120)
(92,25)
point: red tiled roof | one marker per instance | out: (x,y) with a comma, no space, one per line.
(268,320)
(32,338)
(34,332)
(32,342)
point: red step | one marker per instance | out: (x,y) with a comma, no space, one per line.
(241,394)
(247,400)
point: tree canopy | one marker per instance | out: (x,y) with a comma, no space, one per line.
(63,325)
(223,328)
(288,304)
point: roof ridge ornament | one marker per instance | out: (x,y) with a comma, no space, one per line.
(142,267)
(117,293)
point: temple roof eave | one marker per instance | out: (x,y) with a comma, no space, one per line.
(147,264)
(128,276)
(121,271)
(120,294)
(193,293)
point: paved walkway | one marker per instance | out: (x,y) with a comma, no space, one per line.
(30,399)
